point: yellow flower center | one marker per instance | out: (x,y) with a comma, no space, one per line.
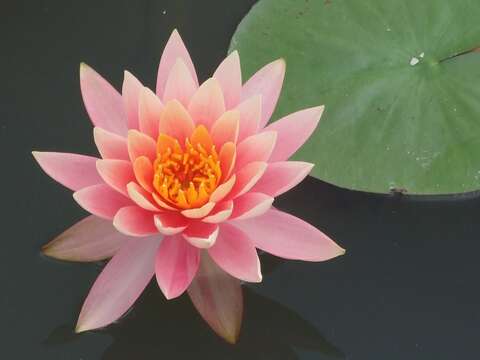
(185,176)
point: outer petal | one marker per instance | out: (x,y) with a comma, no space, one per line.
(251,205)
(250,116)
(225,129)
(140,144)
(293,130)
(180,84)
(176,121)
(101,200)
(176,264)
(235,253)
(116,173)
(149,111)
(90,239)
(103,103)
(71,170)
(120,283)
(268,83)
(286,236)
(220,213)
(110,145)
(257,147)
(201,235)
(218,298)
(207,104)
(229,76)
(134,221)
(170,223)
(246,178)
(282,176)
(130,93)
(174,49)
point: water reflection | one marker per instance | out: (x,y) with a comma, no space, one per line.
(160,329)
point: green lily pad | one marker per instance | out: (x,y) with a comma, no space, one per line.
(399,79)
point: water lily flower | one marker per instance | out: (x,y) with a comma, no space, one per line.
(184,187)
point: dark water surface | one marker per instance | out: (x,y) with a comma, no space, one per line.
(406,289)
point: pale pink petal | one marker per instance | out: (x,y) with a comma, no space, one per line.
(130,93)
(120,283)
(180,84)
(200,212)
(149,111)
(225,129)
(257,147)
(251,205)
(220,213)
(207,103)
(235,253)
(250,116)
(227,157)
(103,103)
(116,173)
(289,237)
(140,144)
(223,190)
(141,197)
(71,170)
(110,145)
(247,177)
(293,130)
(176,264)
(101,200)
(229,76)
(282,176)
(176,121)
(218,298)
(134,221)
(90,239)
(158,199)
(143,170)
(201,235)
(174,49)
(170,223)
(268,83)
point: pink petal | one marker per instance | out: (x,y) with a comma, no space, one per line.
(176,264)
(293,130)
(220,213)
(149,111)
(250,116)
(170,223)
(101,200)
(90,239)
(268,83)
(229,76)
(201,235)
(71,170)
(247,177)
(174,49)
(103,103)
(180,84)
(134,221)
(227,157)
(143,170)
(120,284)
(289,237)
(200,212)
(225,129)
(158,199)
(140,144)
(176,121)
(141,197)
(130,93)
(110,145)
(235,253)
(116,173)
(282,176)
(218,298)
(257,147)
(223,190)
(251,205)
(207,103)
